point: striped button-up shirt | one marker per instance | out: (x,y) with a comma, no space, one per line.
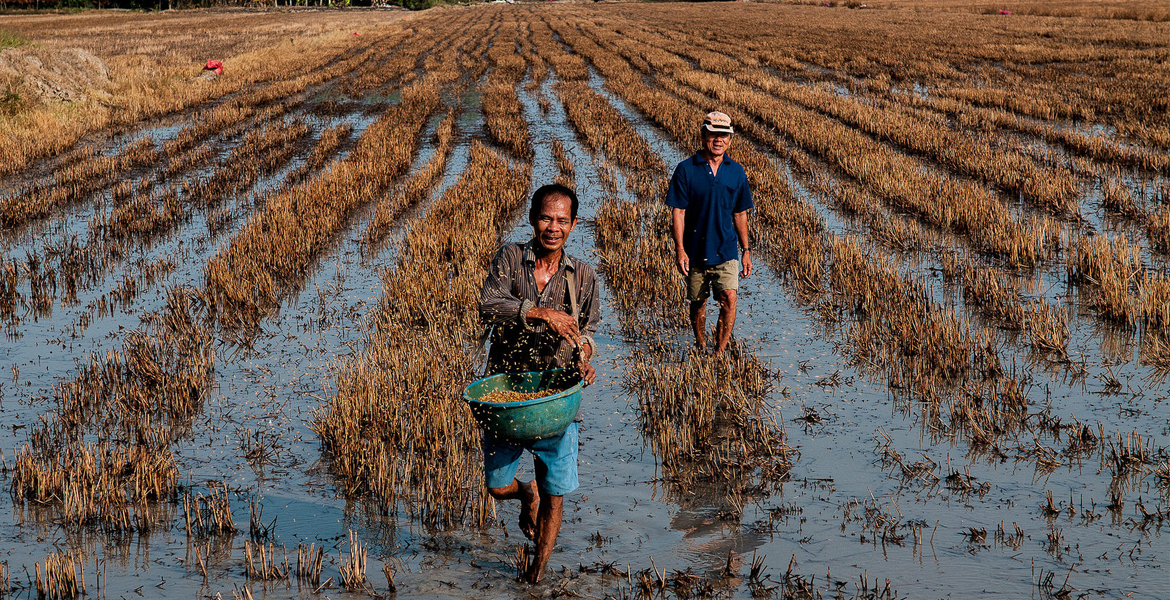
(510,291)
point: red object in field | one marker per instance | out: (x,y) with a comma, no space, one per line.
(214,65)
(357,34)
(1005,12)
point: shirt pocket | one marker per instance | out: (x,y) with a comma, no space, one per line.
(728,195)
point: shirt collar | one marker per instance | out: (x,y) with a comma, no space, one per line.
(698,159)
(530,256)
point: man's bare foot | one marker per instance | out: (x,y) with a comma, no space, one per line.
(529,504)
(533,575)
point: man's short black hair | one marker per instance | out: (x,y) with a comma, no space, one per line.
(545,191)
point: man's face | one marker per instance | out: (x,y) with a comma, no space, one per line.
(716,143)
(554,222)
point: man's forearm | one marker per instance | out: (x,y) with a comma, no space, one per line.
(677,220)
(740,221)
(497,308)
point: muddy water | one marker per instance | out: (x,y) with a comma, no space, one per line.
(621,516)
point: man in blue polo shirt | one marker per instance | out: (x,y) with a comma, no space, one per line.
(710,196)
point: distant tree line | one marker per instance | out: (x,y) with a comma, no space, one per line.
(180,4)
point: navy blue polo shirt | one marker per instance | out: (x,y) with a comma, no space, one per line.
(710,201)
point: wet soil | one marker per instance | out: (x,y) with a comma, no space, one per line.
(829,523)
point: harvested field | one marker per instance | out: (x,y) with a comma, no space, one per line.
(238,311)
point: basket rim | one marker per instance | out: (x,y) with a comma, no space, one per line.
(577,387)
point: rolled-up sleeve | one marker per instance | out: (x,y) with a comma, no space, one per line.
(497,303)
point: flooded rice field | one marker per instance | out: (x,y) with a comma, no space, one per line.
(237,333)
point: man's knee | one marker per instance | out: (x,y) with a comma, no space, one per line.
(726,298)
(499,493)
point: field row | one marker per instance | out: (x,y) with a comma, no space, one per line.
(946,176)
(138,398)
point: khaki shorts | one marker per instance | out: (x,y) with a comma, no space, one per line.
(702,280)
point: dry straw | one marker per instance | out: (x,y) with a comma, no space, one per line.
(353,566)
(268,64)
(707,420)
(60,580)
(397,428)
(142,396)
(898,322)
(272,253)
(415,189)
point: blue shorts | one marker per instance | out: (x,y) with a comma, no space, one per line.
(555,459)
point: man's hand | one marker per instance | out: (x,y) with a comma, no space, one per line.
(588,373)
(560,323)
(683,262)
(746,271)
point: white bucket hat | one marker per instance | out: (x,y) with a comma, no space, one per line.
(717,122)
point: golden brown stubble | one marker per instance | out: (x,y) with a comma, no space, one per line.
(962,207)
(1158,228)
(566,172)
(142,213)
(898,313)
(1148,211)
(328,143)
(141,397)
(397,427)
(739,457)
(415,189)
(148,78)
(79,180)
(501,106)
(271,254)
(988,291)
(1155,353)
(740,60)
(566,66)
(1107,268)
(709,422)
(1096,9)
(1095,146)
(975,55)
(60,578)
(72,184)
(1053,188)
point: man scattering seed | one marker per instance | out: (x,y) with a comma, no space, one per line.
(527,299)
(710,197)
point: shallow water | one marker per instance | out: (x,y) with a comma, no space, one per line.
(622,515)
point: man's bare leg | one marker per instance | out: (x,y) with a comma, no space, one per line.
(529,499)
(727,302)
(699,323)
(548,526)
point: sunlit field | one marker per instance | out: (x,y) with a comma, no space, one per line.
(240,310)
